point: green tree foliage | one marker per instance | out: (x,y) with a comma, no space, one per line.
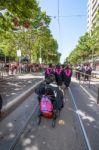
(23,9)
(88,45)
(24,26)
(95,35)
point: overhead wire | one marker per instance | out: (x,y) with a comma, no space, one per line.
(59,22)
(59,16)
(67,16)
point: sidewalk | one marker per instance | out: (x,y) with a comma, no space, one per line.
(96,74)
(14,89)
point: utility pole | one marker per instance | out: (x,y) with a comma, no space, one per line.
(40,59)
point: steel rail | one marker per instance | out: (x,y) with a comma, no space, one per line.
(12,146)
(81,123)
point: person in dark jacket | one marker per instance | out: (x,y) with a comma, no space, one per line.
(88,71)
(58,75)
(67,74)
(48,71)
(49,87)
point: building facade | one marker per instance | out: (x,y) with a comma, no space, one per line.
(93,7)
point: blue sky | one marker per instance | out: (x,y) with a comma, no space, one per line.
(70,26)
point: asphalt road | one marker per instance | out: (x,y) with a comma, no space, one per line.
(67,134)
(88,109)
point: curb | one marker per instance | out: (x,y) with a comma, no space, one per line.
(7,109)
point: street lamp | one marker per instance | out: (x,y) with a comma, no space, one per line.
(40,59)
(42,24)
(19,56)
(90,33)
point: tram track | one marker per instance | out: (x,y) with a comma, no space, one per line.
(15,123)
(85,102)
(91,86)
(29,129)
(92,90)
(80,121)
(15,142)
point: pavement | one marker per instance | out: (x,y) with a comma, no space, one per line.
(95,73)
(15,89)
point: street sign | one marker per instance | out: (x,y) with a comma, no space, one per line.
(19,53)
(40,60)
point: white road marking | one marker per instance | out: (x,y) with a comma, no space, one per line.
(91,97)
(81,123)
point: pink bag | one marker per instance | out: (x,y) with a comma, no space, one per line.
(46,106)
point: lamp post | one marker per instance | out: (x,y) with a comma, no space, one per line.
(19,57)
(42,24)
(92,57)
(40,59)
(90,33)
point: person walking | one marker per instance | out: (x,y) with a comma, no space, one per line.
(58,75)
(88,71)
(67,74)
(48,70)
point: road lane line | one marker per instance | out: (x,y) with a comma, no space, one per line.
(81,123)
(93,98)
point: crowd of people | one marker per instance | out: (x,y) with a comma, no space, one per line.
(13,68)
(62,74)
(83,71)
(55,78)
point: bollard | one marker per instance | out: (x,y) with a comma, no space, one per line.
(98,96)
